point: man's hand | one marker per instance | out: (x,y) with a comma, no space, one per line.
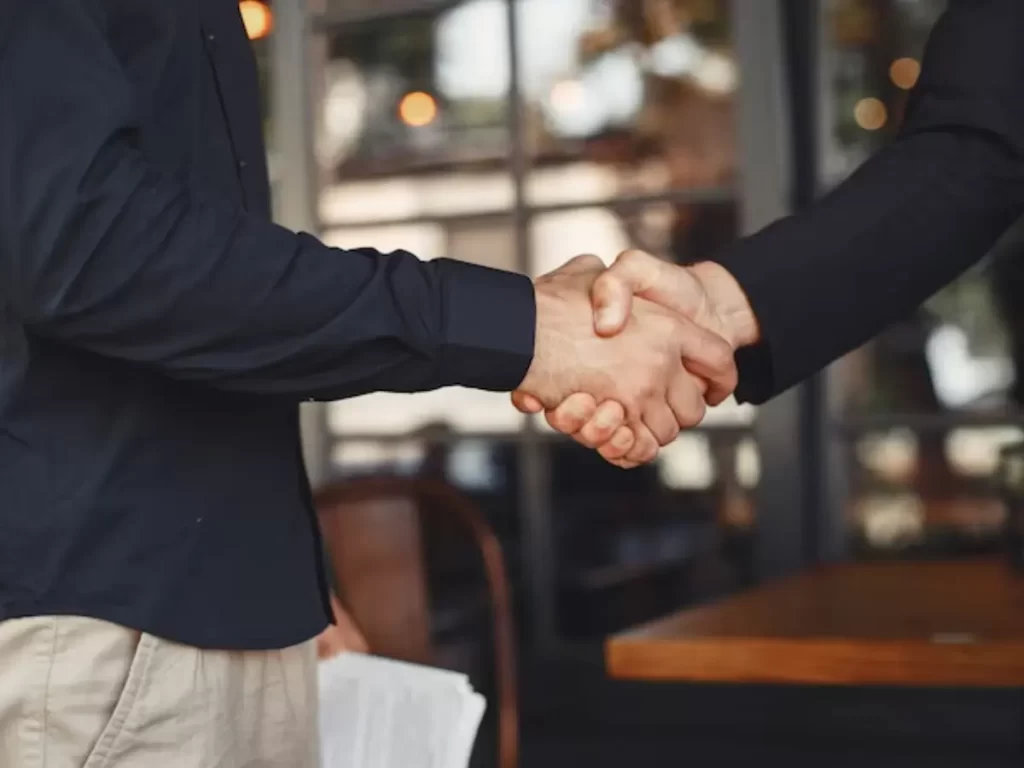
(636,373)
(705,294)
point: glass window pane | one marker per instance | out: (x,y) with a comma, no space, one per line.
(679,232)
(416,90)
(928,494)
(389,413)
(631,98)
(872,55)
(487,241)
(421,196)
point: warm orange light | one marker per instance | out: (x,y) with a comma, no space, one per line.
(904,73)
(257,17)
(417,109)
(870,114)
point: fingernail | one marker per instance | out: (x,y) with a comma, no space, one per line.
(604,318)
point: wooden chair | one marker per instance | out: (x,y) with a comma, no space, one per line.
(372,527)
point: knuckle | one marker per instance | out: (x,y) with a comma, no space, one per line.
(694,415)
(608,286)
(648,389)
(668,436)
(559,422)
(633,256)
(641,266)
(720,357)
(688,409)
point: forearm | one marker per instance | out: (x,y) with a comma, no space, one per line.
(102,251)
(823,283)
(910,221)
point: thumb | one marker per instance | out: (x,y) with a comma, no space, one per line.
(526,403)
(633,273)
(585,262)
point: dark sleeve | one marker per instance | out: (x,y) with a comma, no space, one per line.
(100,251)
(909,221)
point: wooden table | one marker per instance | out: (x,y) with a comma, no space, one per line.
(904,624)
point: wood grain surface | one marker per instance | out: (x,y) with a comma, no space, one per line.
(907,624)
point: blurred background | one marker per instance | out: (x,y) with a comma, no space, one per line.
(518,133)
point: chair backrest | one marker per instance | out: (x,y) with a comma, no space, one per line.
(377,557)
(372,529)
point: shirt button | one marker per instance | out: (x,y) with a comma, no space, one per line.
(242,165)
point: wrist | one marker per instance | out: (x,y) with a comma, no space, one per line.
(729,303)
(549,316)
(537,363)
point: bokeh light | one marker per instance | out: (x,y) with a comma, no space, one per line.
(417,109)
(870,114)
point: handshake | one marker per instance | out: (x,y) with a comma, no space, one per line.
(627,356)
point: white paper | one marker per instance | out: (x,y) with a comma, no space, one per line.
(379,713)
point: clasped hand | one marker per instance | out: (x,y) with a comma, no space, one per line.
(629,355)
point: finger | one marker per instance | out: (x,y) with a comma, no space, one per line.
(599,429)
(634,272)
(624,464)
(645,446)
(618,446)
(575,411)
(585,262)
(526,403)
(711,358)
(686,399)
(661,421)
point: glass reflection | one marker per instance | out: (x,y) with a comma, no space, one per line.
(643,92)
(678,232)
(416,90)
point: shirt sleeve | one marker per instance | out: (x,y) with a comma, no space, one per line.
(101,251)
(909,221)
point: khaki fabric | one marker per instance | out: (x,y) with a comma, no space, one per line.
(82,693)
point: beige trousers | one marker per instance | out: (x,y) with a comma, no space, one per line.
(81,693)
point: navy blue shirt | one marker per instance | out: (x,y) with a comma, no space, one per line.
(157,332)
